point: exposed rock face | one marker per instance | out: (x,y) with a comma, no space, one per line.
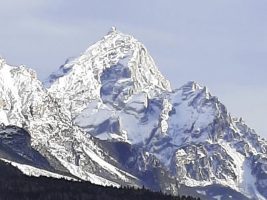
(15,145)
(109,116)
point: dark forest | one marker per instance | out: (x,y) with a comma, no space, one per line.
(15,185)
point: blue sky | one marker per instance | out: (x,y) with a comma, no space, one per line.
(221,44)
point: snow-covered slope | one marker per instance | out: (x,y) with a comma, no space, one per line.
(25,103)
(110,113)
(33,171)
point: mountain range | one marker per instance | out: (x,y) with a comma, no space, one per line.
(110,117)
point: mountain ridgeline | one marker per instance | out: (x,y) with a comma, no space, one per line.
(110,117)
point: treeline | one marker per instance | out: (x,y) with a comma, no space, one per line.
(16,186)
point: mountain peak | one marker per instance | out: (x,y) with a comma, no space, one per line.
(112,29)
(119,60)
(116,47)
(2,60)
(191,85)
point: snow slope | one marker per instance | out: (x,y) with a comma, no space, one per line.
(27,104)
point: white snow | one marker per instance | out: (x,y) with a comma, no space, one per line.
(33,171)
(77,171)
(201,192)
(238,160)
(121,174)
(245,180)
(218,197)
(167,107)
(248,184)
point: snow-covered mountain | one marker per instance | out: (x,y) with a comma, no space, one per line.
(109,116)
(26,103)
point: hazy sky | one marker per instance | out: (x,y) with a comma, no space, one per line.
(219,43)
